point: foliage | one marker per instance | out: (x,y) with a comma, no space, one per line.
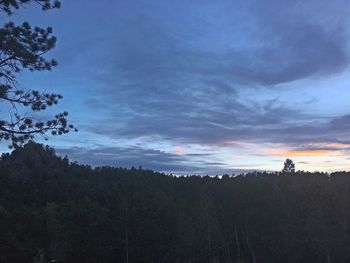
(51,209)
(23,47)
(8,6)
(289,166)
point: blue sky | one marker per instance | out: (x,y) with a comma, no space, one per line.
(201,86)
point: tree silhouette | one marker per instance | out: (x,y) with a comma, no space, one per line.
(289,166)
(22,47)
(52,210)
(8,6)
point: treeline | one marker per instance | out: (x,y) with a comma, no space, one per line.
(52,210)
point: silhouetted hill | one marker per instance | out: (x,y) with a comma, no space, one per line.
(51,209)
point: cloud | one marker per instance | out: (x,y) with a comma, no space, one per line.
(124,157)
(314,149)
(147,158)
(284,41)
(226,128)
(179,150)
(208,73)
(303,39)
(181,79)
(300,153)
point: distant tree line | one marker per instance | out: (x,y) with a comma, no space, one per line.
(52,210)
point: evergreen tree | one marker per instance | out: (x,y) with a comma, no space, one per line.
(23,47)
(289,166)
(52,210)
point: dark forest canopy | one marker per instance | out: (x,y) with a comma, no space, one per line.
(51,209)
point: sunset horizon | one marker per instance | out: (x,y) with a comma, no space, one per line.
(199,87)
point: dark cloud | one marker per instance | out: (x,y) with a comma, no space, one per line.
(192,72)
(178,82)
(125,157)
(147,158)
(202,131)
(302,162)
(309,51)
(202,125)
(292,43)
(299,43)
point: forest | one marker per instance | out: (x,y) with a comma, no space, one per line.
(54,210)
(249,76)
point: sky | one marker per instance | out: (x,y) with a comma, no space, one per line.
(200,87)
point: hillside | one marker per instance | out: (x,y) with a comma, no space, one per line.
(51,209)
